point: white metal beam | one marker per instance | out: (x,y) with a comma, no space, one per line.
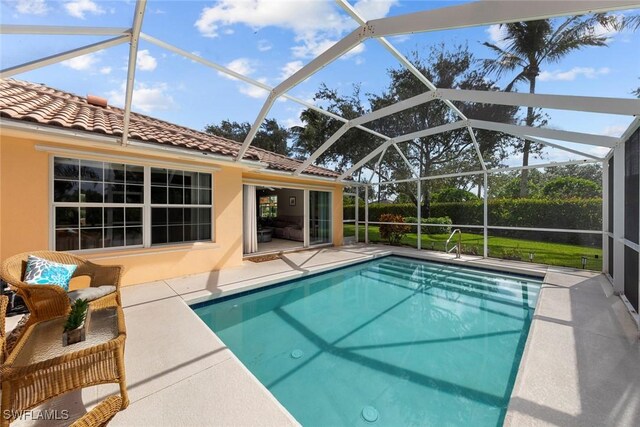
(477,147)
(138,17)
(249,80)
(63,56)
(409,66)
(491,171)
(591,104)
(324,147)
(414,135)
(395,108)
(432,131)
(562,135)
(325,58)
(61,30)
(256,125)
(406,161)
(560,147)
(316,64)
(484,13)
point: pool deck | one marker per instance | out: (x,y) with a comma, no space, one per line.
(580,366)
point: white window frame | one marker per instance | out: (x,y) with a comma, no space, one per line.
(146,205)
(147,173)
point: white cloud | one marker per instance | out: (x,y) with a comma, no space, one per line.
(145,61)
(496,35)
(572,74)
(374,9)
(78,8)
(289,69)
(317,25)
(253,91)
(400,38)
(293,121)
(146,97)
(82,63)
(106,70)
(264,45)
(31,7)
(243,66)
(601,31)
(311,48)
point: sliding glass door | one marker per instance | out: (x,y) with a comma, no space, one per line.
(319,217)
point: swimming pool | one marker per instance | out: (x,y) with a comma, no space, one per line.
(393,341)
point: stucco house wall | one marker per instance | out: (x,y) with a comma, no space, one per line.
(25,221)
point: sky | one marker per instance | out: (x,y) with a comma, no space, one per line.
(269,40)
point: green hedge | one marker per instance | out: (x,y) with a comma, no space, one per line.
(583,214)
(444,220)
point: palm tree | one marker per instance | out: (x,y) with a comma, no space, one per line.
(527,46)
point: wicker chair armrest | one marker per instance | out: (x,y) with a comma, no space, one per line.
(101,414)
(44,301)
(106,275)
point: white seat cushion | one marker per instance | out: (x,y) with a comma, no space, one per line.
(91,294)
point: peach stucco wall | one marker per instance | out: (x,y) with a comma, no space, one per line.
(24,214)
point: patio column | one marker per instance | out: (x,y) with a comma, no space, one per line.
(419,215)
(357,214)
(605,216)
(485,250)
(366,214)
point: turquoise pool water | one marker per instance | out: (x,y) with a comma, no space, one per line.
(390,342)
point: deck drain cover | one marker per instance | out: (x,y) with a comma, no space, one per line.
(297,354)
(370,414)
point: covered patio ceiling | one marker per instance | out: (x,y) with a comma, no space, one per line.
(480,13)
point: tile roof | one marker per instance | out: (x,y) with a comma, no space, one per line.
(44,105)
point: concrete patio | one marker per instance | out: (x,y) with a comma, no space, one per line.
(580,365)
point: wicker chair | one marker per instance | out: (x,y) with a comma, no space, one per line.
(4,301)
(47,301)
(101,414)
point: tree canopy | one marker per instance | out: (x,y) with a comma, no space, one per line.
(271,135)
(443,153)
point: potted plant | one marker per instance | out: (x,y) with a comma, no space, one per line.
(74,327)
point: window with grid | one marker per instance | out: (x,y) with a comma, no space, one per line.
(102,205)
(268,207)
(97,204)
(180,206)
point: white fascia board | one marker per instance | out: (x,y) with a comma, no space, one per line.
(325,58)
(138,16)
(59,57)
(62,30)
(590,104)
(94,140)
(485,13)
(324,147)
(561,135)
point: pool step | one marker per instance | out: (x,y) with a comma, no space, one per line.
(483,291)
(458,274)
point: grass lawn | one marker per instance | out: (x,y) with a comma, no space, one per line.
(499,247)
